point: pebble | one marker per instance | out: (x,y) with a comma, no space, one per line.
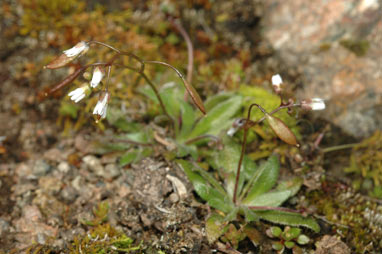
(40,168)
(69,194)
(94,164)
(4,227)
(111,171)
(63,167)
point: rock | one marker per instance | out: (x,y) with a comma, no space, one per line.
(94,164)
(4,227)
(335,47)
(111,171)
(40,168)
(49,184)
(331,245)
(69,194)
(63,167)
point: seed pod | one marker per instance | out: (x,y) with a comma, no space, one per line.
(281,130)
(68,55)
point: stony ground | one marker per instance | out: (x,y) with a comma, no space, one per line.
(51,183)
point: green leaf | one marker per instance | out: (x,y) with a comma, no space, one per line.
(214,197)
(275,231)
(135,155)
(226,162)
(293,185)
(289,218)
(212,101)
(249,214)
(303,239)
(274,198)
(291,233)
(216,226)
(217,118)
(128,157)
(263,179)
(289,245)
(278,246)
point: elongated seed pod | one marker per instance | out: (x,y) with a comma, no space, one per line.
(281,130)
(69,79)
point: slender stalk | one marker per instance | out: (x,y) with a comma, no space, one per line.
(339,147)
(190,48)
(159,98)
(243,144)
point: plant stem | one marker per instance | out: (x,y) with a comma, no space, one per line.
(339,147)
(244,143)
(190,48)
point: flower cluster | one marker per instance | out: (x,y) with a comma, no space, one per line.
(78,94)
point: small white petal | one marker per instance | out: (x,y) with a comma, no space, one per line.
(78,94)
(77,49)
(231,131)
(317,104)
(277,80)
(97,77)
(101,107)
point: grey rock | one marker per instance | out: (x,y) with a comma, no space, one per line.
(41,168)
(4,227)
(335,46)
(94,164)
(69,194)
(111,171)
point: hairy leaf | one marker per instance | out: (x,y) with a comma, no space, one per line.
(289,218)
(217,119)
(263,179)
(275,198)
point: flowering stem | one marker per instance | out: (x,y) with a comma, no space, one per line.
(190,48)
(246,126)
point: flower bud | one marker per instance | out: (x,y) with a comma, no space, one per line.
(276,83)
(97,77)
(68,55)
(237,124)
(313,104)
(100,109)
(281,130)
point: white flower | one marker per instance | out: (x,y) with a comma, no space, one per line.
(78,94)
(79,49)
(97,77)
(101,107)
(277,80)
(313,104)
(317,104)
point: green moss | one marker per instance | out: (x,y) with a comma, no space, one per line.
(358,47)
(357,218)
(366,165)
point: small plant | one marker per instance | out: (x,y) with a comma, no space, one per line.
(289,238)
(248,190)
(100,69)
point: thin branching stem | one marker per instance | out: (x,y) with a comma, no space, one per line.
(244,143)
(190,48)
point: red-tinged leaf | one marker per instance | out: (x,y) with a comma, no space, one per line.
(281,130)
(59,62)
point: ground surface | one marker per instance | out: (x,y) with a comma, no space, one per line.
(52,180)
